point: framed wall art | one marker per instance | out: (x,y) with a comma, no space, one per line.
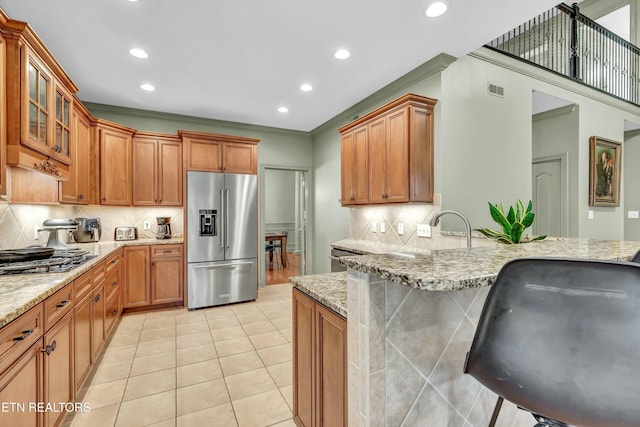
(604,172)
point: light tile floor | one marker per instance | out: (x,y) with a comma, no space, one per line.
(222,366)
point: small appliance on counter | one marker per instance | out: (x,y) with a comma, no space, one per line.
(126,233)
(89,230)
(164,227)
(53,226)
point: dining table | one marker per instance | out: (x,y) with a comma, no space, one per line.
(282,237)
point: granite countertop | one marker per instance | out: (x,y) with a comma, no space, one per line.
(365,247)
(329,289)
(19,293)
(453,269)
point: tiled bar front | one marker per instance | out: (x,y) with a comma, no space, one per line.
(406,352)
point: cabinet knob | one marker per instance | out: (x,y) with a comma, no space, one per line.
(80,196)
(114,312)
(96,298)
(50,348)
(114,283)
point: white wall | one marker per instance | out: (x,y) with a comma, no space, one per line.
(631,174)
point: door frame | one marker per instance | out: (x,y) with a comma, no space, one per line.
(564,187)
(261,227)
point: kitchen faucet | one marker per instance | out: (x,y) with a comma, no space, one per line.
(436,219)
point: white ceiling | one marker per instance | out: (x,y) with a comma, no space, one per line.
(239,60)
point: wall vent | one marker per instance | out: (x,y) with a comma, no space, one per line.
(495,90)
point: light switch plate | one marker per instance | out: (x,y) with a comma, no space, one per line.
(633,214)
(373,227)
(147,225)
(424,230)
(383,227)
(590,214)
(400,228)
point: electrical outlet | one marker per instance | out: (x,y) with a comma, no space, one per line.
(424,230)
(400,228)
(383,227)
(373,227)
(147,225)
(36,232)
(633,214)
(590,214)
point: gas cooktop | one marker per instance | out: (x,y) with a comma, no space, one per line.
(61,261)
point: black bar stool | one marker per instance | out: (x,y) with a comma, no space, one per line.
(560,338)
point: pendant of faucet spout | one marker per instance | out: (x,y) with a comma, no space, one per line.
(436,219)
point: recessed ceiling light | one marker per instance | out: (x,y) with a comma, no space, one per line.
(436,9)
(133,1)
(342,54)
(148,87)
(306,87)
(283,109)
(138,53)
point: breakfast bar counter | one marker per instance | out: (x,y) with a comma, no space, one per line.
(412,318)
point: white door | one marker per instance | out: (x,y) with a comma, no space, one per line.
(301,219)
(549,196)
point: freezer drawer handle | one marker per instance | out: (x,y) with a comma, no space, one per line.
(232,265)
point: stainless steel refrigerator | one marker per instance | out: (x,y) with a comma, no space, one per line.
(222,238)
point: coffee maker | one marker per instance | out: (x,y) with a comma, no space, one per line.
(164,227)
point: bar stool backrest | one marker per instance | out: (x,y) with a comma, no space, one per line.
(561,338)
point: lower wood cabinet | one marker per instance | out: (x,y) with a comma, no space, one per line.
(59,384)
(319,364)
(153,276)
(47,353)
(21,385)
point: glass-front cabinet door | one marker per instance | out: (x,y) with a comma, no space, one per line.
(49,112)
(62,139)
(39,83)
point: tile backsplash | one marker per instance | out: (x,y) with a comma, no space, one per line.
(360,220)
(18,222)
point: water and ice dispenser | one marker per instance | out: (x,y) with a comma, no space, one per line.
(208,222)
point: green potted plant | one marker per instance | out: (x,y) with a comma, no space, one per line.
(513,224)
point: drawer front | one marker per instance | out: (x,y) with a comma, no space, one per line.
(161,251)
(19,335)
(82,286)
(112,312)
(113,261)
(57,305)
(112,283)
(98,274)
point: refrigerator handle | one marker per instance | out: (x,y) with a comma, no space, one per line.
(222,222)
(226,222)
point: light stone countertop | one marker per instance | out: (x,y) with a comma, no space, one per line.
(365,247)
(454,269)
(329,289)
(20,292)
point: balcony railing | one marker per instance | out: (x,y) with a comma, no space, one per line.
(566,42)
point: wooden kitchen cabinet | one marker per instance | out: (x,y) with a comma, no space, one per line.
(154,276)
(354,166)
(157,170)
(115,144)
(78,188)
(3,118)
(137,292)
(167,272)
(83,330)
(22,384)
(39,99)
(319,364)
(208,152)
(397,142)
(98,336)
(59,385)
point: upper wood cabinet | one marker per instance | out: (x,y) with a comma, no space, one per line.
(157,170)
(114,142)
(3,118)
(387,155)
(208,152)
(39,100)
(78,189)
